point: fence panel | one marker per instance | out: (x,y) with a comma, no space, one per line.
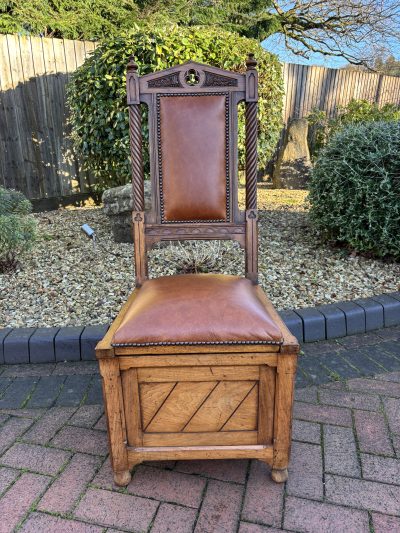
(310,87)
(37,156)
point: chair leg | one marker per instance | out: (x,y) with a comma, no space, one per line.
(285,379)
(279,476)
(114,410)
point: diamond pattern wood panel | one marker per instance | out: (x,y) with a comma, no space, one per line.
(206,406)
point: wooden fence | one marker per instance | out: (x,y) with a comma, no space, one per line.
(329,89)
(36,155)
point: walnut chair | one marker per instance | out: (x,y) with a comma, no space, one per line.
(196,366)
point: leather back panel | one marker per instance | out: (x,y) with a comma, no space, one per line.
(193,157)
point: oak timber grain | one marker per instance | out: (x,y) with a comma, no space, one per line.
(193,373)
(191,360)
(181,453)
(219,438)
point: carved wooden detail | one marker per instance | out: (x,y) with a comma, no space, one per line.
(170,80)
(132,83)
(217,80)
(192,77)
(197,230)
(251,79)
(135,130)
(251,155)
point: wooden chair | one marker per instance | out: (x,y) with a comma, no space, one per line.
(196,366)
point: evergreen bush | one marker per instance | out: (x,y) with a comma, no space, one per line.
(17,228)
(355,188)
(97,93)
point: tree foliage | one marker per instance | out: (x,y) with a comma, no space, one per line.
(69,19)
(348,28)
(97,94)
(355,188)
(387,65)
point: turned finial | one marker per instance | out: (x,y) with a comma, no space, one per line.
(251,63)
(132,65)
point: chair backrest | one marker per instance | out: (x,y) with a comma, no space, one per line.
(193,116)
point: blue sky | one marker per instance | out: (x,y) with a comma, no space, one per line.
(275,44)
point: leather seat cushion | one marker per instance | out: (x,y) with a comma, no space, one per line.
(197,309)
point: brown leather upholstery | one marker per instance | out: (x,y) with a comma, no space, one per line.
(193,149)
(197,309)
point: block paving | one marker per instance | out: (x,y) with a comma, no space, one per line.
(344,474)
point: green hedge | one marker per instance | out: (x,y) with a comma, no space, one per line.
(97,94)
(355,188)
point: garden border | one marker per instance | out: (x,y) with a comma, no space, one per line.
(309,324)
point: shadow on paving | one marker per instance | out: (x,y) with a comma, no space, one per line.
(34,386)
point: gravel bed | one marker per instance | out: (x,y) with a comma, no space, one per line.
(65,281)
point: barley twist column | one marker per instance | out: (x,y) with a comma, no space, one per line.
(135,130)
(251,169)
(251,155)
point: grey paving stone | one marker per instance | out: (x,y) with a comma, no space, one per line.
(310,365)
(366,366)
(16,346)
(391,309)
(46,391)
(313,324)
(293,322)
(362,339)
(335,321)
(4,383)
(15,395)
(301,379)
(74,390)
(95,393)
(337,364)
(91,335)
(76,367)
(3,334)
(373,313)
(389,361)
(318,348)
(67,344)
(41,345)
(355,317)
(392,347)
(392,333)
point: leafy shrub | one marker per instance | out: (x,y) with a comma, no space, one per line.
(97,94)
(355,188)
(17,227)
(356,111)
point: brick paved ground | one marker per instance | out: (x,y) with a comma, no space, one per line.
(344,474)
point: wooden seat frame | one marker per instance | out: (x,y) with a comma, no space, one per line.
(137,381)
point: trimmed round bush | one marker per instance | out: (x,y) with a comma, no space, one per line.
(17,228)
(355,188)
(97,93)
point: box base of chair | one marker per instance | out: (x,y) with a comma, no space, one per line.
(199,406)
